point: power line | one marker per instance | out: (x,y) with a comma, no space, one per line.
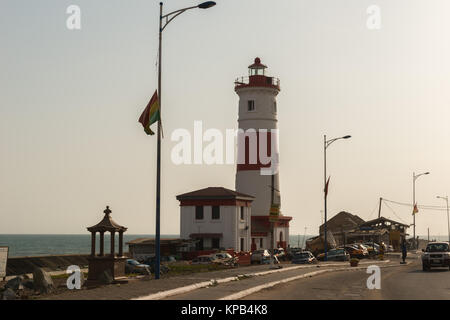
(373,210)
(395,213)
(425,207)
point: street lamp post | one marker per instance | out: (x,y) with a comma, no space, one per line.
(326,144)
(448,216)
(415,177)
(162,25)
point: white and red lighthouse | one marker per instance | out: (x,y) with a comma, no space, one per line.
(258,113)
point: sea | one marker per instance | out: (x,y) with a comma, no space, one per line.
(21,245)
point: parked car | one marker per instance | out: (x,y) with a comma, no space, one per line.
(373,248)
(259,255)
(304,257)
(437,254)
(168,259)
(225,258)
(335,255)
(266,260)
(151,262)
(206,259)
(134,266)
(356,251)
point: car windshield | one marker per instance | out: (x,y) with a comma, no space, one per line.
(437,247)
(133,262)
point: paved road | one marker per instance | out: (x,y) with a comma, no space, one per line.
(401,282)
(230,288)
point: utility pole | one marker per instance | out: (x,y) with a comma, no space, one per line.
(379,208)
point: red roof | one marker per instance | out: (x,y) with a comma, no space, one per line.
(214,193)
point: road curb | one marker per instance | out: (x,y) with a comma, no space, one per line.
(173,292)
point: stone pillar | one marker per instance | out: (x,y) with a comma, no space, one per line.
(112,244)
(93,244)
(102,243)
(120,243)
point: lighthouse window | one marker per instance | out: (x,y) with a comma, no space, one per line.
(199,212)
(215,213)
(274,107)
(251,105)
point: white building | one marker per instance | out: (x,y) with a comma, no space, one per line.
(217,218)
(258,111)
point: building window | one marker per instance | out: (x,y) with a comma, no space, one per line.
(261,242)
(242,244)
(242,213)
(251,105)
(215,243)
(199,213)
(215,213)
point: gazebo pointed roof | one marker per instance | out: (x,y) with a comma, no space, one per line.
(107,224)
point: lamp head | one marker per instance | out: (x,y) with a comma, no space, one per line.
(207,4)
(346,137)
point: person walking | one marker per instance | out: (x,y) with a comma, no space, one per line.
(404,251)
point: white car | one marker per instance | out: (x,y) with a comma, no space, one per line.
(221,255)
(437,254)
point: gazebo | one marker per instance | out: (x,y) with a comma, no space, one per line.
(98,263)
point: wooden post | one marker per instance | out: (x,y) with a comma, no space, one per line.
(379,208)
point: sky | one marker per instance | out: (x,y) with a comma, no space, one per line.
(70,100)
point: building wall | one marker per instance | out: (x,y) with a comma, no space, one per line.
(229,224)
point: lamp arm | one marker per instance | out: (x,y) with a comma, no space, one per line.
(331,141)
(176,14)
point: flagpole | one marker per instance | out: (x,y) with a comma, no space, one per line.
(158,157)
(325,193)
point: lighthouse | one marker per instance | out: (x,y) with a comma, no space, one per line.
(258,125)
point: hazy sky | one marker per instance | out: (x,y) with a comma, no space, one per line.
(70,100)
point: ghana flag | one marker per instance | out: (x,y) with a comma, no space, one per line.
(150,114)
